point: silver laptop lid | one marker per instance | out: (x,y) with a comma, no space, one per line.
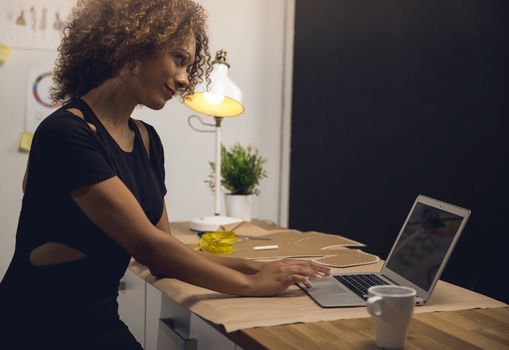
(424,244)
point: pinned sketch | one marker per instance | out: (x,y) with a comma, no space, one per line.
(20,20)
(42,24)
(58,24)
(33,24)
(38,102)
(34,18)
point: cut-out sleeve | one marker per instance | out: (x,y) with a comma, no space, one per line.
(157,155)
(73,155)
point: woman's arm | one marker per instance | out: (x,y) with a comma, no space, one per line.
(245,266)
(242,265)
(113,208)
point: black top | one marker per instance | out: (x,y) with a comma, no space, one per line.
(67,154)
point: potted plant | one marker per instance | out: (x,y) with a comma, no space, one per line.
(241,172)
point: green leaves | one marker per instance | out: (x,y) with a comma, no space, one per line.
(241,170)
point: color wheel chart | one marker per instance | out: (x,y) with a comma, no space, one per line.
(43,100)
(38,102)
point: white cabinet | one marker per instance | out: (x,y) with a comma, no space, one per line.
(159,323)
(131,304)
(172,326)
(153,310)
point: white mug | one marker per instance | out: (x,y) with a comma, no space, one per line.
(391,308)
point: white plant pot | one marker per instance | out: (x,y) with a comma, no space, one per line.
(239,206)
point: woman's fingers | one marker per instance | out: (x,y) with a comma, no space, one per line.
(279,275)
(301,270)
(318,268)
(321,268)
(300,279)
(301,274)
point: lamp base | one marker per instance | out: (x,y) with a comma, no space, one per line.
(211,223)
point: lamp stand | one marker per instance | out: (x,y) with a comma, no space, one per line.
(214,222)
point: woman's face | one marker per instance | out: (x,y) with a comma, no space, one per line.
(155,81)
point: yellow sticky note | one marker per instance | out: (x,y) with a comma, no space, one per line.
(5,53)
(26,141)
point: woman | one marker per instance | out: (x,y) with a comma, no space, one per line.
(94,186)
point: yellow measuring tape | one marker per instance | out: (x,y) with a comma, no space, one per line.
(218,242)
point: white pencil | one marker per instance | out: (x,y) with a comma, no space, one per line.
(266,247)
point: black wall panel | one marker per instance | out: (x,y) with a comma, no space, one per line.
(395,98)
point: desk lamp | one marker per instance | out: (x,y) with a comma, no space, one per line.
(220,99)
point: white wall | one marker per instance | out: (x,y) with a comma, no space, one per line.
(13,80)
(253,32)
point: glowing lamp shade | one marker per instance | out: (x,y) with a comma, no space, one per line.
(213,99)
(222,98)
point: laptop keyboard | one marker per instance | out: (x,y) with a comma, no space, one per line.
(359,283)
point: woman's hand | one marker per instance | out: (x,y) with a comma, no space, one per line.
(275,277)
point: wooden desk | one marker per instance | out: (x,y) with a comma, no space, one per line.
(466,329)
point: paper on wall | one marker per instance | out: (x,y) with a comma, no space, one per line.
(5,53)
(33,24)
(38,102)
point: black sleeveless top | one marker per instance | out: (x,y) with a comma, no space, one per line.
(66,154)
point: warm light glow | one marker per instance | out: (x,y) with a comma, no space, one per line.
(213,99)
(226,108)
(221,97)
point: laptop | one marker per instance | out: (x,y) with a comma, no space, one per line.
(416,260)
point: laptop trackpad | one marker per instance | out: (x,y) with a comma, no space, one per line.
(327,292)
(327,285)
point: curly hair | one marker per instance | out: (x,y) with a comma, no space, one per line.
(102,36)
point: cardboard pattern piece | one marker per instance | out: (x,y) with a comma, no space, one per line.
(326,249)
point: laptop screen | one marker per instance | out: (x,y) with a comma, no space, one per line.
(423,244)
